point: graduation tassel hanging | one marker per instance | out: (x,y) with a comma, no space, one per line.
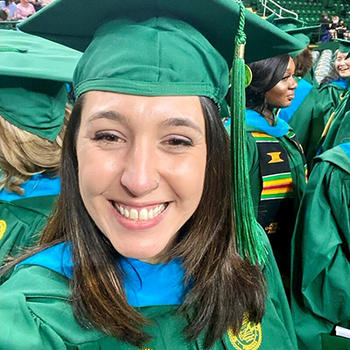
(248,231)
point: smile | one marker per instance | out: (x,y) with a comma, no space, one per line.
(140,214)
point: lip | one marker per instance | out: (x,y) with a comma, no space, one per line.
(139,225)
(148,205)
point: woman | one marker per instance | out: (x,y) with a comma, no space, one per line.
(32,113)
(310,117)
(337,126)
(25,9)
(321,257)
(277,169)
(11,9)
(142,242)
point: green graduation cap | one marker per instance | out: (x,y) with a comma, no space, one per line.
(339,44)
(344,46)
(33,72)
(296,28)
(168,47)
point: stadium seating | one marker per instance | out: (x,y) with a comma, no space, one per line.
(309,12)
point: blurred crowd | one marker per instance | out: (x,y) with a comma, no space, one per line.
(13,10)
(333,28)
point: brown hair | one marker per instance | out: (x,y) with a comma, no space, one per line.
(303,62)
(224,288)
(23,154)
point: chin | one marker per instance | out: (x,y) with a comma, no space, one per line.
(147,253)
(288,103)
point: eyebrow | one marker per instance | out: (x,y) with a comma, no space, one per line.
(112,115)
(181,122)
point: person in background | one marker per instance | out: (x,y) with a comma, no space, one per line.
(321,254)
(303,65)
(143,246)
(3,15)
(325,23)
(276,159)
(11,9)
(46,2)
(341,29)
(33,99)
(37,4)
(333,27)
(25,9)
(308,116)
(337,123)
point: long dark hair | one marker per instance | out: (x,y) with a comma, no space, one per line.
(266,74)
(224,288)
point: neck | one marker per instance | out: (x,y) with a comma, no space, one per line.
(269,117)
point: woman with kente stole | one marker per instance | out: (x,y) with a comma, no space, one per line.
(276,160)
(143,251)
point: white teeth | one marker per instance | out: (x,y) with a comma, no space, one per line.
(142,214)
(155,211)
(134,215)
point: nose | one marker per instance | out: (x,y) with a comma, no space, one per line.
(293,84)
(140,175)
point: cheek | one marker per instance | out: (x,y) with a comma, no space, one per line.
(187,177)
(276,94)
(95,171)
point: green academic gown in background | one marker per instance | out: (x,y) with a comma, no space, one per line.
(22,217)
(257,129)
(321,254)
(35,302)
(310,118)
(20,223)
(338,128)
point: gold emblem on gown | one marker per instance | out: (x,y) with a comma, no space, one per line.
(249,337)
(275,157)
(2,228)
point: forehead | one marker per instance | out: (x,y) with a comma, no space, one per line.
(291,64)
(141,109)
(341,54)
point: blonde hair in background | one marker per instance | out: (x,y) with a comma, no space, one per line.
(23,154)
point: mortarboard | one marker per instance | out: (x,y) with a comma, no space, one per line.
(33,72)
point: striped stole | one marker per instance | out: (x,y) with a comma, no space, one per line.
(277,182)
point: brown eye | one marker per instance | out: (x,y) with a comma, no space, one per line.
(107,137)
(179,141)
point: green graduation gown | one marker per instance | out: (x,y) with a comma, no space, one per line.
(259,130)
(321,254)
(20,223)
(338,128)
(35,302)
(22,217)
(310,118)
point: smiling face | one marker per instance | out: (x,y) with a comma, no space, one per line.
(282,94)
(141,167)
(342,64)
